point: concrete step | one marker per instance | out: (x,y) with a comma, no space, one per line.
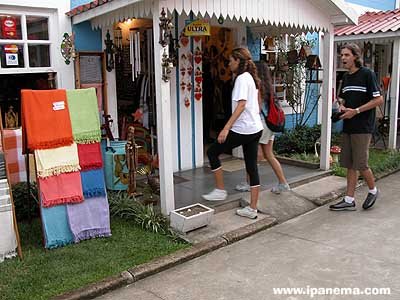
(234,200)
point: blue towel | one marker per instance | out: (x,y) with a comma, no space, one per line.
(56,228)
(93,183)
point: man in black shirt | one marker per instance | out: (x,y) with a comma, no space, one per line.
(361,94)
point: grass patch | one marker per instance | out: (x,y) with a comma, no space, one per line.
(43,274)
(380,162)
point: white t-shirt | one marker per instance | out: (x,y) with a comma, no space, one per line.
(249,121)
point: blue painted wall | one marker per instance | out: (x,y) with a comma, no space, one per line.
(75,3)
(254,44)
(291,119)
(87,39)
(377,4)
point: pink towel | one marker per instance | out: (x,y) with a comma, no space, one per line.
(61,189)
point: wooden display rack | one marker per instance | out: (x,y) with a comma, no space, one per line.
(19,249)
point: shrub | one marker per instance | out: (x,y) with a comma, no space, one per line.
(25,209)
(127,207)
(301,139)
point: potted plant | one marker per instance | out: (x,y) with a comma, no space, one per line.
(191,217)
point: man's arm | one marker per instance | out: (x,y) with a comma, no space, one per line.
(351,112)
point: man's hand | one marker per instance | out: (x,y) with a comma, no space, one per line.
(348,112)
(222,136)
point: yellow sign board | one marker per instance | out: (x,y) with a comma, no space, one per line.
(198,28)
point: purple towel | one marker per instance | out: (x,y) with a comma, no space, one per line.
(89,219)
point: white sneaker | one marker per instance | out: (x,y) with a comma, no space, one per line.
(243,187)
(280,187)
(247,212)
(215,195)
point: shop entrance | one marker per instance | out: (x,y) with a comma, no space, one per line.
(134,66)
(217,82)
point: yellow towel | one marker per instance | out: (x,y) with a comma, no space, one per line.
(50,162)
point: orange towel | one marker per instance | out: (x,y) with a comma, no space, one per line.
(46,119)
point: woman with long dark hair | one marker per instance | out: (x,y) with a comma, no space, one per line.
(267,139)
(244,128)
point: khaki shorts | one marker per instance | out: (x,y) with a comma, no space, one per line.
(355,151)
(267,134)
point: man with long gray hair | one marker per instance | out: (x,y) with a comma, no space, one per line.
(359,96)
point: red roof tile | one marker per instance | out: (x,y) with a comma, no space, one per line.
(85,7)
(372,22)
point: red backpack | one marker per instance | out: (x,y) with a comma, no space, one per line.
(275,119)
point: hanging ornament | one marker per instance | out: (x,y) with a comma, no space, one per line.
(187,102)
(183,85)
(221,19)
(67,48)
(190,70)
(183,70)
(184,40)
(189,86)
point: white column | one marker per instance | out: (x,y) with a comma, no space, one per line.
(328,79)
(394,94)
(111,86)
(164,129)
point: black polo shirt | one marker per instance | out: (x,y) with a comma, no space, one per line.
(357,89)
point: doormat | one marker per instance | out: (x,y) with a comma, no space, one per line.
(233,165)
(178,179)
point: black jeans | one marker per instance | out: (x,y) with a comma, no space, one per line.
(249,142)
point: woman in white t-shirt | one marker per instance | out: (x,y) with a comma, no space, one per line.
(244,128)
(267,139)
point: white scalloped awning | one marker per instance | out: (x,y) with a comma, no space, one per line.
(303,15)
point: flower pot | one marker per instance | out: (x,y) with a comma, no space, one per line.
(191,217)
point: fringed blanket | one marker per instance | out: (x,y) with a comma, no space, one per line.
(61,189)
(90,156)
(89,219)
(8,242)
(46,119)
(56,228)
(52,162)
(84,115)
(93,183)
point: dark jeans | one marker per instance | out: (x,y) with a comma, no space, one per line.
(249,142)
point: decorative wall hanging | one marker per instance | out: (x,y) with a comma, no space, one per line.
(109,52)
(168,60)
(67,48)
(166,66)
(198,69)
(165,28)
(186,69)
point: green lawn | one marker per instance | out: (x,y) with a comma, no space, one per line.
(43,274)
(380,162)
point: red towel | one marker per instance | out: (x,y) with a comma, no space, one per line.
(61,189)
(90,156)
(46,119)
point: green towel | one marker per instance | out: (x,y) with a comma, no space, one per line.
(84,115)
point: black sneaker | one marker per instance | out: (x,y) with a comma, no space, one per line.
(343,205)
(370,200)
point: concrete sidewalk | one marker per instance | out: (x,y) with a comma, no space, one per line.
(318,249)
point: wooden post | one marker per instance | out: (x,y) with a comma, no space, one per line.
(163,109)
(19,249)
(394,94)
(327,87)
